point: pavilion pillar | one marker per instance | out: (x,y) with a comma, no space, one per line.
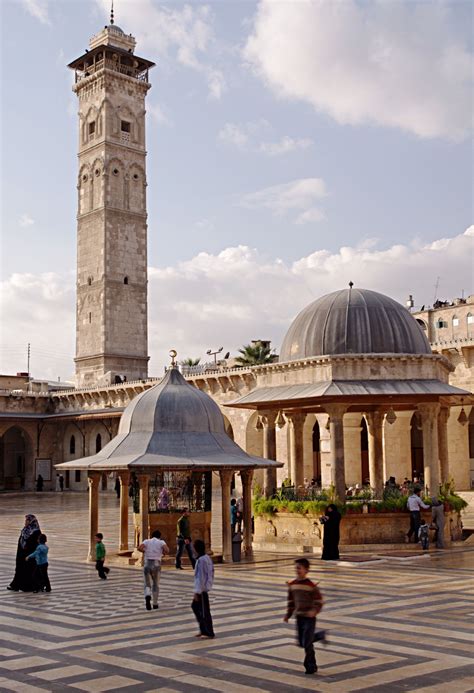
(124,478)
(94,480)
(269,452)
(443,417)
(336,452)
(295,425)
(374,421)
(226,478)
(143,500)
(429,417)
(247,476)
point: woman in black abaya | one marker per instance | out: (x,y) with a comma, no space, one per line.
(331,521)
(27,543)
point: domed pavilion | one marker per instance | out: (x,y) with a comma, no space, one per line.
(355,355)
(170,439)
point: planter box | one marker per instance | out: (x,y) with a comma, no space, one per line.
(289,532)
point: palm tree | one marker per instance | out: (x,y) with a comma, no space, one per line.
(255,354)
(190,362)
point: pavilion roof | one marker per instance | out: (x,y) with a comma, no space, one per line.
(402,391)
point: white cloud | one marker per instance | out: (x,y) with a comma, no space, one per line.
(158,114)
(396,64)
(38,9)
(285,145)
(185,34)
(228,298)
(299,194)
(234,134)
(25,220)
(247,136)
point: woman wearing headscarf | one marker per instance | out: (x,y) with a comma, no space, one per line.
(437,518)
(27,543)
(331,521)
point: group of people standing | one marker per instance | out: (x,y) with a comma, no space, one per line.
(419,529)
(31,568)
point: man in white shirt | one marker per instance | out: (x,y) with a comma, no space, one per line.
(415,505)
(153,550)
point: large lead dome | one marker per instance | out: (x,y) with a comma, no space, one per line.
(353,321)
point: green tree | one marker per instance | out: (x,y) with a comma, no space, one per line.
(255,355)
(190,362)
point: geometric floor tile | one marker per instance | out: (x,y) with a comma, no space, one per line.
(392,627)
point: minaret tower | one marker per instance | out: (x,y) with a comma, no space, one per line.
(111,312)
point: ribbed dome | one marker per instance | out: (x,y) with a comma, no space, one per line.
(172,406)
(353,321)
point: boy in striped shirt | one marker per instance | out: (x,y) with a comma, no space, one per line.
(305,602)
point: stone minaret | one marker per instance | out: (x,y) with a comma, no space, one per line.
(111,314)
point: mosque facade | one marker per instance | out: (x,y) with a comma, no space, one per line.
(363,389)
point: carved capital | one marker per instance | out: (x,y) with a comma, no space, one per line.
(428,411)
(335,411)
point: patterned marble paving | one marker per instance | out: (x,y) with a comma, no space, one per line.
(393,626)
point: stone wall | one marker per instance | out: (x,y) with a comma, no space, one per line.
(292,533)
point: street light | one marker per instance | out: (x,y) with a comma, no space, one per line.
(209,352)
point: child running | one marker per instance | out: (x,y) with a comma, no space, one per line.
(100,556)
(40,574)
(305,601)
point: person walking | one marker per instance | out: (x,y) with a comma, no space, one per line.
(100,553)
(183,539)
(305,602)
(153,550)
(415,505)
(331,521)
(437,518)
(117,487)
(23,578)
(39,483)
(203,581)
(40,573)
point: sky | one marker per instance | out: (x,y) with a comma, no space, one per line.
(292,147)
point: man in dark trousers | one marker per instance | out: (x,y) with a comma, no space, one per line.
(415,505)
(183,539)
(203,581)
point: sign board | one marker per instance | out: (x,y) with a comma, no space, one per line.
(43,467)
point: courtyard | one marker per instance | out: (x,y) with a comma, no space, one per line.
(401,623)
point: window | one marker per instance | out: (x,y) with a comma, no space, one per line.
(90,317)
(455,322)
(98,443)
(440,324)
(89,281)
(135,176)
(125,126)
(77,476)
(470,319)
(72,445)
(115,171)
(125,280)
(92,129)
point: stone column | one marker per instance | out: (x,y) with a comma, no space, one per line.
(269,451)
(443,417)
(143,499)
(94,480)
(226,478)
(124,478)
(295,424)
(375,434)
(429,417)
(247,476)
(336,431)
(352,448)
